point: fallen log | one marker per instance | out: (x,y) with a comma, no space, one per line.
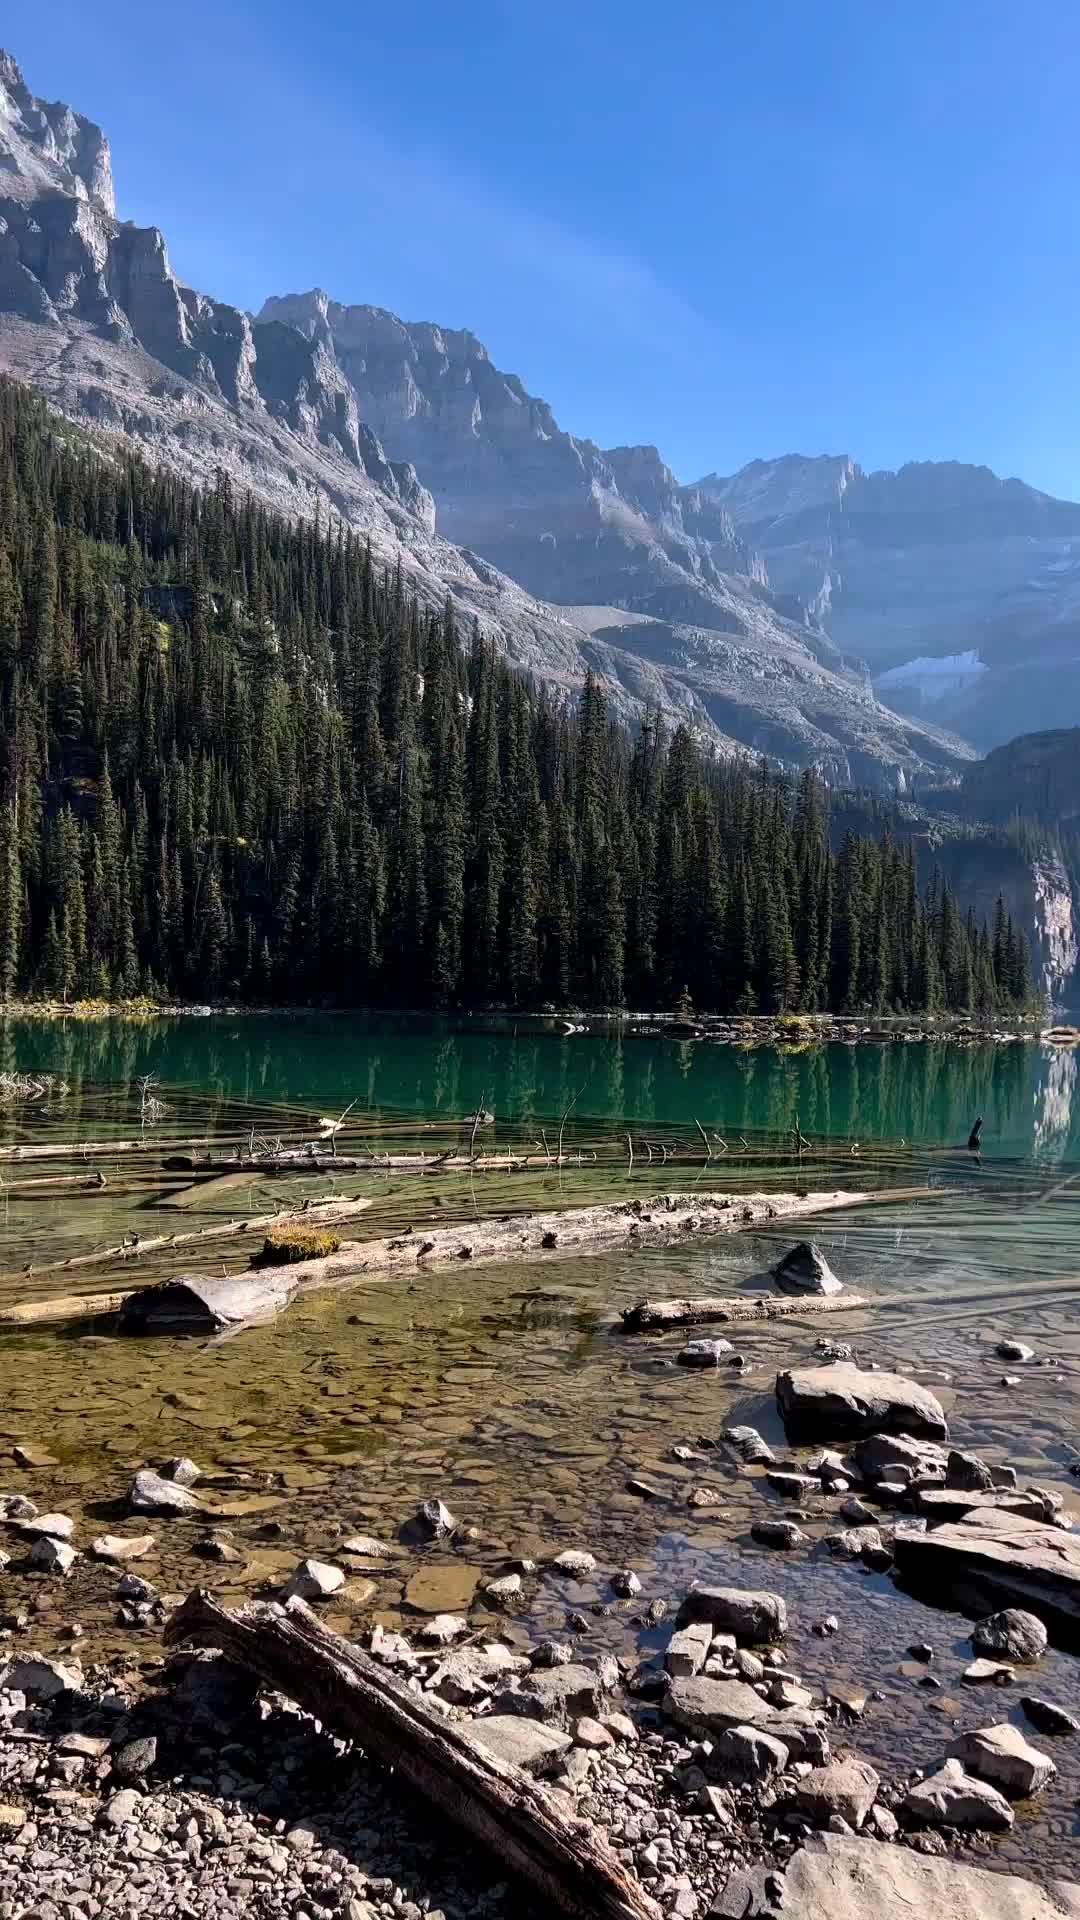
(97,1149)
(664,1218)
(64,1306)
(631,1223)
(295,1161)
(649,1315)
(197,1303)
(317,1213)
(564,1859)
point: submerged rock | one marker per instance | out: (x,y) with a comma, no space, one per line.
(783,1534)
(806,1270)
(196,1303)
(704,1353)
(1047,1717)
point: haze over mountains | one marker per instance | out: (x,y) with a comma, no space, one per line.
(747,606)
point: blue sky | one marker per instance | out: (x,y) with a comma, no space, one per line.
(813,225)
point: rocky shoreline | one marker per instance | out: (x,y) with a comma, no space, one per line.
(177,1784)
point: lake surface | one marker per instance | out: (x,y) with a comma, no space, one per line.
(509,1390)
(527,1072)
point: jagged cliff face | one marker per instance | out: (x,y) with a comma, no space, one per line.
(315,406)
(962,590)
(573,522)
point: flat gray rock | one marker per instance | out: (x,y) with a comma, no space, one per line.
(1002,1756)
(754,1617)
(845,1879)
(952,1798)
(521,1743)
(561,1693)
(710,1706)
(843,1402)
(748,1753)
(1004,1562)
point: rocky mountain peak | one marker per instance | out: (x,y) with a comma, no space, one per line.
(347,410)
(45,144)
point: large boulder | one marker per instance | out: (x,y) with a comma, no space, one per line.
(754,1618)
(1002,1756)
(999,1560)
(951,1798)
(806,1270)
(845,1879)
(1014,1634)
(842,1402)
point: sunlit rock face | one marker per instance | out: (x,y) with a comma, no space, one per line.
(919,570)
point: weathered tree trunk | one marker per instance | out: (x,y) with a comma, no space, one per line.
(320,1213)
(649,1314)
(570,1866)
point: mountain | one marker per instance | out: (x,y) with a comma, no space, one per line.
(1037,775)
(345,411)
(961,589)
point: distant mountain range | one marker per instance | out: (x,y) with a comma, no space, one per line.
(961,590)
(752,607)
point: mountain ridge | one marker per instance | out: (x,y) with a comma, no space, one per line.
(93,315)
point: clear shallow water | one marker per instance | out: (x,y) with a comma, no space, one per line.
(509,1390)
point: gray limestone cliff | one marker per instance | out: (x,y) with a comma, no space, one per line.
(961,589)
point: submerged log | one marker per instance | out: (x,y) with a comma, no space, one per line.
(658,1221)
(316,1213)
(650,1314)
(564,1859)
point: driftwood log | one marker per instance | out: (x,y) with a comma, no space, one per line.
(650,1314)
(318,1213)
(657,1221)
(570,1866)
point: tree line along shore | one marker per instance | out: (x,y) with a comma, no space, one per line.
(239,761)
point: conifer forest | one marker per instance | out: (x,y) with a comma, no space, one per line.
(240,761)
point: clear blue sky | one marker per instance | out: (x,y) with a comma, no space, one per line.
(813,225)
